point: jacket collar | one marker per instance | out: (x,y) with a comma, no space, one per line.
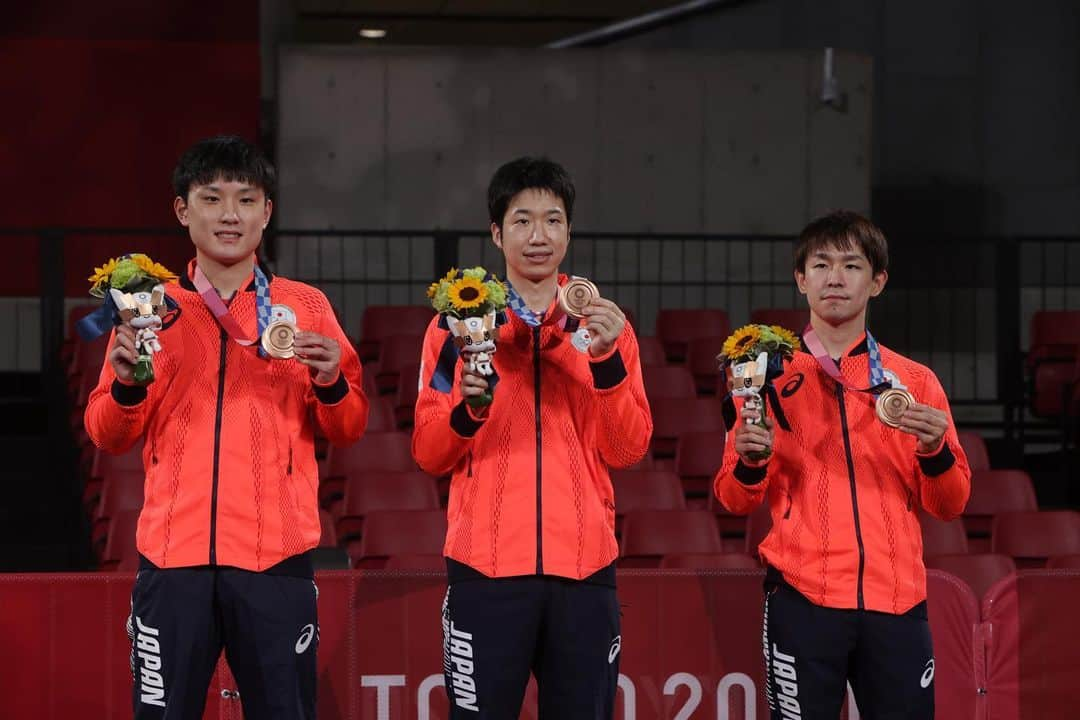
(858,348)
(187,284)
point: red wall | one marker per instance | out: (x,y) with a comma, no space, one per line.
(100,100)
(691,642)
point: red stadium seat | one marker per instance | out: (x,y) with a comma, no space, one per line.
(1032,537)
(668,381)
(374,451)
(732,527)
(645,490)
(431,563)
(120,542)
(677,327)
(758,526)
(120,490)
(381,321)
(1063,562)
(1050,385)
(1052,358)
(793,319)
(371,369)
(650,351)
(396,353)
(408,389)
(104,464)
(649,535)
(942,538)
(701,360)
(329,536)
(383,490)
(975,448)
(993,492)
(979,570)
(381,415)
(398,532)
(698,457)
(1053,332)
(718,561)
(674,417)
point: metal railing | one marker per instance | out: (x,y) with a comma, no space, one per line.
(960,305)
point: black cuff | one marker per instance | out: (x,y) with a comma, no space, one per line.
(332,394)
(462,422)
(609,372)
(750,475)
(934,465)
(128,395)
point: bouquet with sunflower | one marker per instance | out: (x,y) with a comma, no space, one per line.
(132,289)
(752,357)
(471,301)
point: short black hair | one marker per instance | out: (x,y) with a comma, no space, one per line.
(228,157)
(845,230)
(527,173)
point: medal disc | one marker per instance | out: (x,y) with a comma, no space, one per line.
(891,405)
(575,295)
(277,340)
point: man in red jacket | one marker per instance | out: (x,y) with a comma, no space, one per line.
(531,544)
(861,438)
(230,509)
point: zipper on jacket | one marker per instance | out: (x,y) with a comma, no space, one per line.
(153,451)
(539,453)
(854,494)
(217,447)
(787,513)
(289,469)
(469,473)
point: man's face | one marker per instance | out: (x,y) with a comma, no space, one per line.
(838,284)
(534,234)
(225,218)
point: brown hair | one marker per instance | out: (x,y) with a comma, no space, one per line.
(843,230)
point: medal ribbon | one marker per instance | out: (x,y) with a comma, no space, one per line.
(221,313)
(878,381)
(534,319)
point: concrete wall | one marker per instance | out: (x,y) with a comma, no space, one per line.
(976,103)
(657,142)
(670,141)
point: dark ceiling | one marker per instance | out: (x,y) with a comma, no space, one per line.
(528,23)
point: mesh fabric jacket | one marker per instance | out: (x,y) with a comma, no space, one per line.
(229,452)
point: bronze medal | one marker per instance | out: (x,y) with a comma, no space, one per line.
(277,339)
(575,295)
(891,405)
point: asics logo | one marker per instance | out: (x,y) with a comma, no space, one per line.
(928,674)
(792,386)
(306,634)
(616,646)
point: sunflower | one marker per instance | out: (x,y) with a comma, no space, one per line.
(101,274)
(467,293)
(741,342)
(155,270)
